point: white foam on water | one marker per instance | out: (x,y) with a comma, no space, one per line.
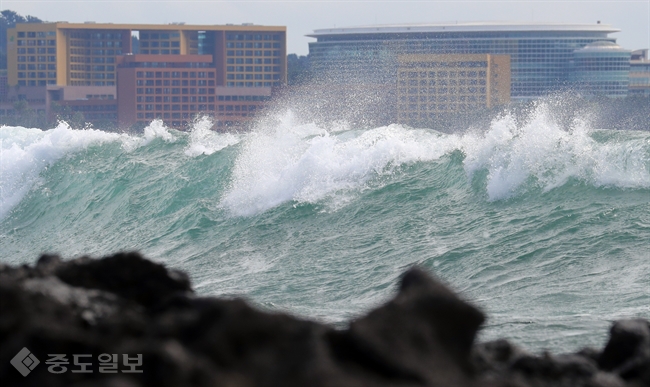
(293,161)
(287,160)
(26,153)
(204,141)
(541,149)
(156,129)
(622,164)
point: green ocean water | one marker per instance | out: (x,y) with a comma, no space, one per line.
(546,227)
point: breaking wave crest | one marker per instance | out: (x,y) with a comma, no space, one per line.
(286,160)
(537,219)
(293,161)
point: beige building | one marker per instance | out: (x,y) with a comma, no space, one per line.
(77,65)
(429,86)
(85,54)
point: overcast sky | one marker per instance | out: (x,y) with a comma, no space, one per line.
(303,16)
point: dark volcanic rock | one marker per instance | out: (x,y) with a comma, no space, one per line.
(628,351)
(263,348)
(128,275)
(494,356)
(425,324)
(127,305)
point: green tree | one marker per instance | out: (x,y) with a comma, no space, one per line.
(298,69)
(9,19)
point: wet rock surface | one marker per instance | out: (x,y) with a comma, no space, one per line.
(126,305)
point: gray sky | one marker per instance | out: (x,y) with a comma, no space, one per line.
(303,16)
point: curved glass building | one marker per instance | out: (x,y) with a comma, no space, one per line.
(540,54)
(601,68)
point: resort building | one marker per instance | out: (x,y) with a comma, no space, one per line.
(540,54)
(16,100)
(247,60)
(639,85)
(156,86)
(601,68)
(430,85)
(175,88)
(3,85)
(97,104)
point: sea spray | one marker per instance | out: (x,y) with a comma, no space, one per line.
(25,153)
(305,163)
(542,151)
(542,222)
(204,141)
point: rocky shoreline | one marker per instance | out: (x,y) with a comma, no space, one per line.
(126,321)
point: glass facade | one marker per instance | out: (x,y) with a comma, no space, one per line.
(161,43)
(601,68)
(540,59)
(639,78)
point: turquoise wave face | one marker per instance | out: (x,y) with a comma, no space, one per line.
(545,227)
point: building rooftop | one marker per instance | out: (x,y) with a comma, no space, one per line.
(157,27)
(602,46)
(464,27)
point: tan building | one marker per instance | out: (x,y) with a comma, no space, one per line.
(176,88)
(85,54)
(96,104)
(639,85)
(155,86)
(432,85)
(247,60)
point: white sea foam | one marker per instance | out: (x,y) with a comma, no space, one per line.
(204,141)
(544,151)
(156,129)
(25,153)
(287,160)
(306,163)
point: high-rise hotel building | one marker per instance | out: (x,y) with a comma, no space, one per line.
(541,55)
(429,85)
(247,61)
